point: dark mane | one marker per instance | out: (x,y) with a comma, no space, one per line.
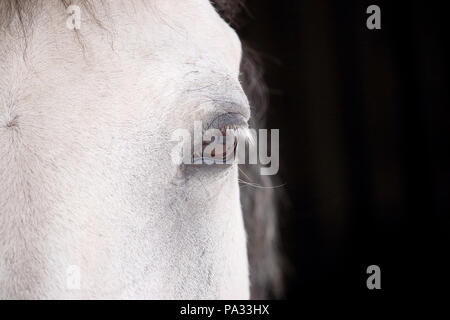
(259,204)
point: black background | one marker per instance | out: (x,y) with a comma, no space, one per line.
(363,118)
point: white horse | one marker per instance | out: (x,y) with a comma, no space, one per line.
(91,205)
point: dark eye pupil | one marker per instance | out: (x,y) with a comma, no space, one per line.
(221,150)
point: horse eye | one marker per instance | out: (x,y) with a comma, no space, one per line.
(224,151)
(218,150)
(221,145)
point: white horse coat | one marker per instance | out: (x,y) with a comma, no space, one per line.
(87,186)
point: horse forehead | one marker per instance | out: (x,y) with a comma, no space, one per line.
(181,37)
(175,63)
(203,24)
